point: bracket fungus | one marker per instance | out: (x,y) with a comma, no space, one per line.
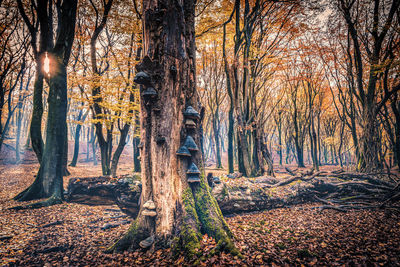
(149,93)
(193,178)
(190,144)
(189,123)
(146,243)
(160,140)
(149,205)
(150,213)
(140,145)
(142,78)
(193,169)
(191,113)
(173,71)
(183,151)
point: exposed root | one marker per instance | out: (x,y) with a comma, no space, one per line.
(212,220)
(130,240)
(30,193)
(53,200)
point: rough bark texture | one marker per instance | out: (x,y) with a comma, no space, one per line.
(183,210)
(37,113)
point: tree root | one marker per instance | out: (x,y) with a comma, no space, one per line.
(53,200)
(129,240)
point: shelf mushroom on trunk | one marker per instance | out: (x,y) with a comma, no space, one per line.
(149,93)
(142,78)
(190,124)
(183,151)
(190,144)
(193,174)
(191,113)
(149,209)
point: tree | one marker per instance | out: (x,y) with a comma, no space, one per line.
(173,207)
(370,33)
(13,53)
(212,82)
(260,27)
(49,180)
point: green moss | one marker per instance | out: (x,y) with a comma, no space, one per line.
(211,218)
(189,205)
(189,240)
(126,241)
(224,192)
(136,177)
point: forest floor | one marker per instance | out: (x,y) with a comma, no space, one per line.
(71,234)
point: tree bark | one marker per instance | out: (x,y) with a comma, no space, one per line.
(37,113)
(183,211)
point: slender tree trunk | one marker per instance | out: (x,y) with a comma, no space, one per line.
(136,153)
(18,138)
(120,148)
(81,119)
(280,144)
(216,129)
(88,144)
(230,141)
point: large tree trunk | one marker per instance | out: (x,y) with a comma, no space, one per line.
(369,154)
(183,210)
(49,180)
(395,105)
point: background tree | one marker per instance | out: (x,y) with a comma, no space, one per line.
(49,180)
(370,33)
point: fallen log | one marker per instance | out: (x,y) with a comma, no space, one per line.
(125,192)
(244,194)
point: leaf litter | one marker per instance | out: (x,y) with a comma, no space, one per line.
(71,234)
